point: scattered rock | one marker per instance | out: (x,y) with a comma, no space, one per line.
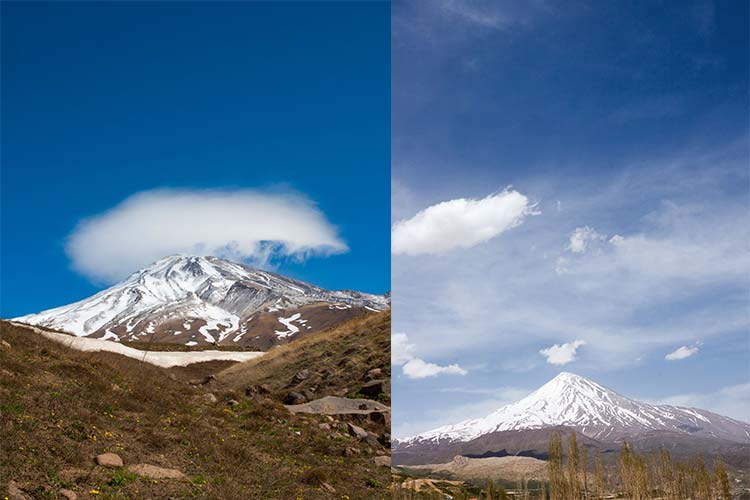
(68,494)
(373,374)
(205,380)
(327,487)
(6,373)
(15,493)
(378,418)
(325,427)
(385,439)
(109,460)
(154,472)
(5,345)
(357,431)
(350,451)
(372,440)
(374,388)
(262,389)
(384,461)
(232,402)
(294,398)
(208,398)
(309,394)
(116,387)
(300,376)
(332,405)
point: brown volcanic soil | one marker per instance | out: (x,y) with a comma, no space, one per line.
(259,336)
(60,408)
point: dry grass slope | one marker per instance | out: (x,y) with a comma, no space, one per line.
(337,359)
(59,408)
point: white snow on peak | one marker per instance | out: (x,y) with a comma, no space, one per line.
(186,288)
(574,401)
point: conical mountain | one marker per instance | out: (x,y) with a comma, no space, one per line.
(195,300)
(575,402)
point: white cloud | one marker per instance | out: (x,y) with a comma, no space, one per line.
(681,353)
(242,225)
(460,223)
(402,353)
(731,401)
(562,354)
(581,236)
(418,368)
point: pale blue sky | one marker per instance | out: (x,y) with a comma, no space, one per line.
(625,127)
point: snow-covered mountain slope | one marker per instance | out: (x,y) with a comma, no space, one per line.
(206,300)
(572,401)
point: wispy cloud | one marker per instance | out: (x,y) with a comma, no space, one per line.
(402,353)
(670,268)
(682,353)
(732,401)
(243,225)
(580,238)
(460,223)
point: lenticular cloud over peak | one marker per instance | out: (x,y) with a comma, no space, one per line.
(242,225)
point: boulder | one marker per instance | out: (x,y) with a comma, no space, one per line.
(109,460)
(350,451)
(384,461)
(357,431)
(300,376)
(372,440)
(373,388)
(208,398)
(68,494)
(153,472)
(5,345)
(332,405)
(294,398)
(15,493)
(373,374)
(262,389)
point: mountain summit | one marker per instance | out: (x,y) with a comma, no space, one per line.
(196,300)
(578,404)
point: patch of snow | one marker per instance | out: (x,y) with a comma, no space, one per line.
(291,329)
(165,359)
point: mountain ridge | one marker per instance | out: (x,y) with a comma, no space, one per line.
(577,404)
(198,300)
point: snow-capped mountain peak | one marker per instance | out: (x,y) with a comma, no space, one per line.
(573,401)
(196,299)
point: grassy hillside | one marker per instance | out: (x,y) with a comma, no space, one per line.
(338,361)
(60,408)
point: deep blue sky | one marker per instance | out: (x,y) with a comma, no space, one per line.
(103,100)
(628,118)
